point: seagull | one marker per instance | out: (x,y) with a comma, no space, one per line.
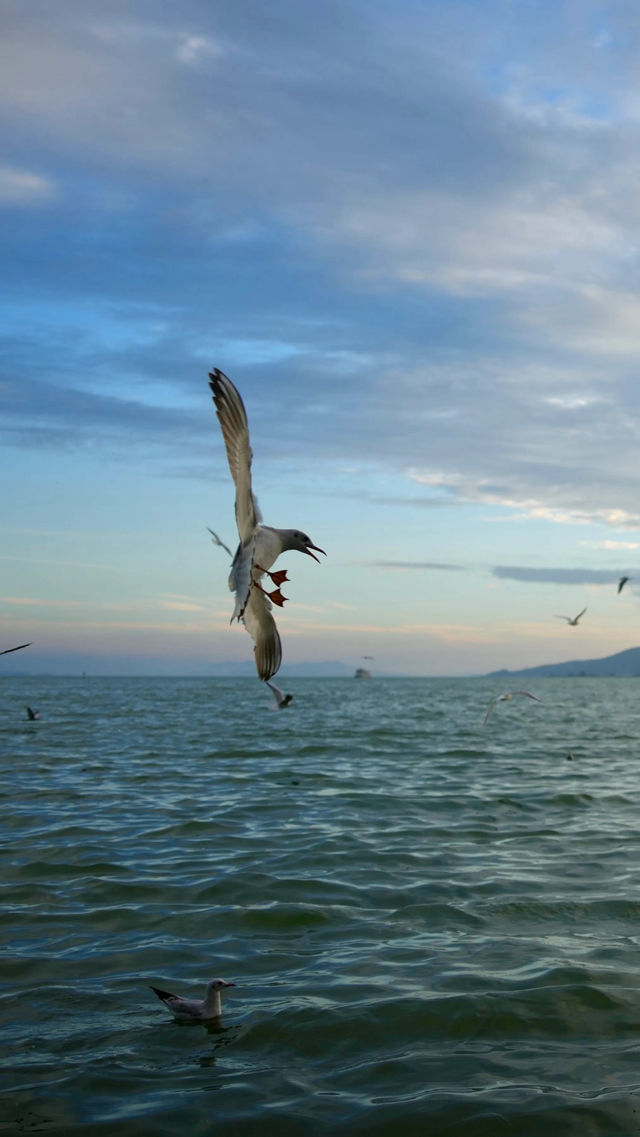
(18,648)
(505,699)
(621,583)
(281,699)
(31,714)
(573,621)
(195,1010)
(260,545)
(216,540)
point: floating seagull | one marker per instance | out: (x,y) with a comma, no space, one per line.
(505,699)
(18,648)
(195,1010)
(31,714)
(573,621)
(621,583)
(260,545)
(281,699)
(216,540)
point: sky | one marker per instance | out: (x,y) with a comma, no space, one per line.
(408,232)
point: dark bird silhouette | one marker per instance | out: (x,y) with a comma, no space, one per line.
(621,583)
(508,695)
(573,620)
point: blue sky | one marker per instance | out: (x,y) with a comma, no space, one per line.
(409,233)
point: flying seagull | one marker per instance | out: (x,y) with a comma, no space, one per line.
(216,541)
(281,699)
(621,583)
(195,1010)
(18,648)
(260,545)
(31,714)
(573,620)
(505,699)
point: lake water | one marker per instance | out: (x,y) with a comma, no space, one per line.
(433,925)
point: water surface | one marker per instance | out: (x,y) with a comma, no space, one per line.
(432,925)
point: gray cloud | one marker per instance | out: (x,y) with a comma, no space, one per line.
(374,220)
(556,575)
(419,565)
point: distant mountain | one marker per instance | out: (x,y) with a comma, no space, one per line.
(622,663)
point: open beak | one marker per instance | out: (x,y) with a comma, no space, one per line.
(317,549)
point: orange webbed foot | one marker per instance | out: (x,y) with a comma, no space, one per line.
(278,577)
(277,597)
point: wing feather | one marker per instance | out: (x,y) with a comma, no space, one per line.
(261,626)
(240,577)
(232,417)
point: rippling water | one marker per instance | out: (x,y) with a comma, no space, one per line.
(433,926)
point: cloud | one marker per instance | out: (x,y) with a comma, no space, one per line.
(195,49)
(182,606)
(424,250)
(23,187)
(420,565)
(608,544)
(555,575)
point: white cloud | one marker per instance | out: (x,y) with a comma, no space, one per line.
(23,187)
(573,402)
(196,48)
(614,545)
(479,491)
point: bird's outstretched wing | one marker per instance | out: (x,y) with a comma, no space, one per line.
(7,650)
(216,541)
(235,431)
(581,613)
(505,698)
(489,710)
(261,626)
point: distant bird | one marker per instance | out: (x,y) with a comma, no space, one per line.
(573,620)
(260,545)
(281,699)
(195,1010)
(505,699)
(621,583)
(18,648)
(216,540)
(31,714)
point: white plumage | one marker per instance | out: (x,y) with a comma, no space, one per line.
(260,545)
